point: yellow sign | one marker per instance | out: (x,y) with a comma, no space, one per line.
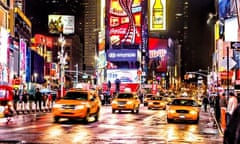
(157,15)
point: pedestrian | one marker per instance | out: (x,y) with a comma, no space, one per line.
(38,100)
(31,100)
(15,99)
(25,98)
(205,103)
(223,101)
(217,107)
(232,131)
(232,104)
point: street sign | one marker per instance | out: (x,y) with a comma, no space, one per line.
(235,45)
(223,63)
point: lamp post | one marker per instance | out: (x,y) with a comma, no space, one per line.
(35,77)
(62,62)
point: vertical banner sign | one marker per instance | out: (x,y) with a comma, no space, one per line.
(157,15)
(22,59)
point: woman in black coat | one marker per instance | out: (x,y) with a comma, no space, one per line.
(232,132)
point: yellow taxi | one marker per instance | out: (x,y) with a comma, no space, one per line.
(183,109)
(77,104)
(126,101)
(157,102)
(147,97)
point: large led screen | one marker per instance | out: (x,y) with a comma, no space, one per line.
(231,29)
(124,19)
(228,8)
(124,75)
(158,54)
(61,24)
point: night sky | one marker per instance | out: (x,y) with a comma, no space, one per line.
(199,49)
(196,55)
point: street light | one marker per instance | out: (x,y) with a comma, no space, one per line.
(35,77)
(62,58)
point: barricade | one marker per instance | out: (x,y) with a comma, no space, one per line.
(32,107)
(223,118)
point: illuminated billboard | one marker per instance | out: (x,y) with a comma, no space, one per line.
(61,24)
(228,8)
(157,15)
(124,22)
(124,75)
(23,52)
(158,54)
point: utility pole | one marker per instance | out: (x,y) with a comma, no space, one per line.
(76,74)
(227,72)
(62,58)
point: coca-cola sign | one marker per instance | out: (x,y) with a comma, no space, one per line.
(125,22)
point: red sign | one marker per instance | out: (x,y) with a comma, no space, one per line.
(133,86)
(125,22)
(154,88)
(158,54)
(225,75)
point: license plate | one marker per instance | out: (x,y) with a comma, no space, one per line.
(182,116)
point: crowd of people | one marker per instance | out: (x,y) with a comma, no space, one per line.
(232,115)
(27,102)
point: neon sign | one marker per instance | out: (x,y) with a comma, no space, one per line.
(125,22)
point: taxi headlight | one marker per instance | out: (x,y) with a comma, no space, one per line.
(114,102)
(79,107)
(193,112)
(171,111)
(150,103)
(57,105)
(130,102)
(10,103)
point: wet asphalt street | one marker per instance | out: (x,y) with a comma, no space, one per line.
(147,127)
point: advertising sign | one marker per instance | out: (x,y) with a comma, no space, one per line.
(61,24)
(124,19)
(231,29)
(3,45)
(122,55)
(158,54)
(157,15)
(227,8)
(23,52)
(124,75)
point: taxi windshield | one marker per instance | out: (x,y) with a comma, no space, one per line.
(184,102)
(157,98)
(76,96)
(125,95)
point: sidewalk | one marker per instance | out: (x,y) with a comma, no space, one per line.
(208,123)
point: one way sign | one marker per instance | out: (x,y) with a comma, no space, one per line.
(235,45)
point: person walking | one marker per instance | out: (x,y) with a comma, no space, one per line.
(38,100)
(205,103)
(232,131)
(217,109)
(231,106)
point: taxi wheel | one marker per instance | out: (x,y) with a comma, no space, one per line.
(56,119)
(197,120)
(169,120)
(113,110)
(137,111)
(97,115)
(86,117)
(149,108)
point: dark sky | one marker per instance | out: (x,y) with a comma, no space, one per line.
(200,42)
(198,53)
